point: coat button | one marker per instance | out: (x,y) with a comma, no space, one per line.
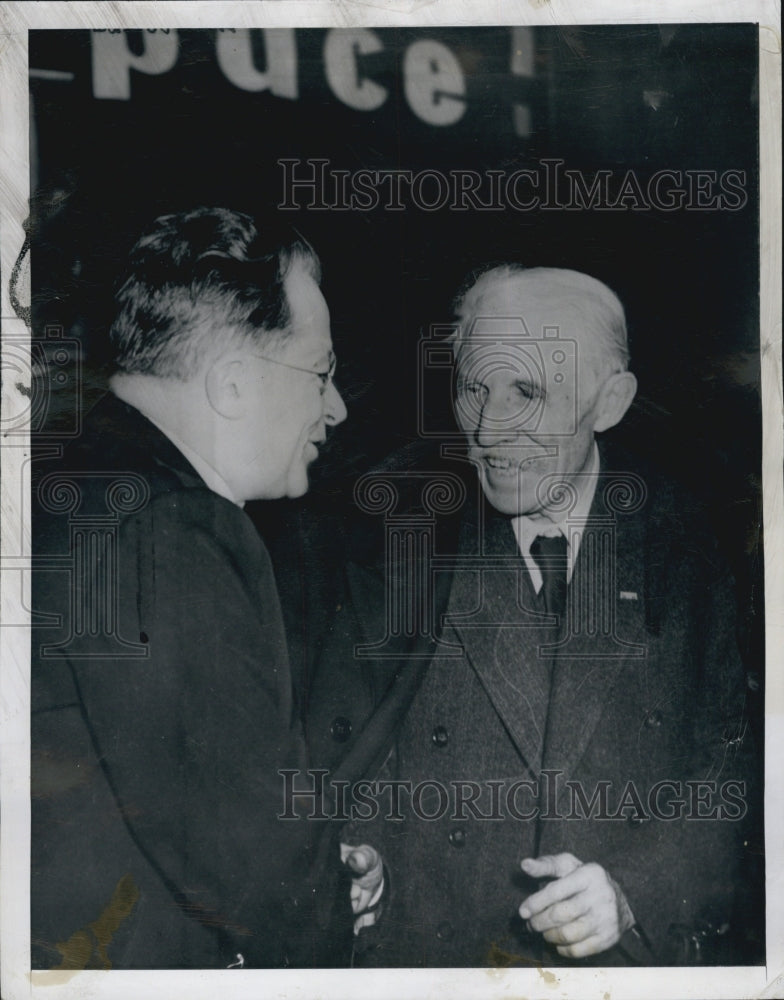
(445,931)
(457,838)
(440,736)
(340,729)
(653,719)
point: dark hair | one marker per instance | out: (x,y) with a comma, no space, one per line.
(197,275)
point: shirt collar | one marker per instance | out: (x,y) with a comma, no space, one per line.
(527,528)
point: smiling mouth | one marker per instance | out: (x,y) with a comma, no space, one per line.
(506,467)
(503,466)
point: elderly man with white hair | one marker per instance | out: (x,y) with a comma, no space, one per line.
(568,766)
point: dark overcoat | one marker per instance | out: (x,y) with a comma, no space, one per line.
(637,758)
(162,712)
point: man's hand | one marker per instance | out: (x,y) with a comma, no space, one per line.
(582,911)
(367,884)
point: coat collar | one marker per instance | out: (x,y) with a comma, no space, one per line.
(118,435)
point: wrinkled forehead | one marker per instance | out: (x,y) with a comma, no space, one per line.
(309,334)
(511,319)
(513,306)
(495,351)
(307,305)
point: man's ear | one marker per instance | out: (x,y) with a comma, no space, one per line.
(614,399)
(225,384)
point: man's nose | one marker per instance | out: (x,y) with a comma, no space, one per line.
(334,408)
(493,426)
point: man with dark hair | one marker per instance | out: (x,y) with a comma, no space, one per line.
(162,698)
(568,770)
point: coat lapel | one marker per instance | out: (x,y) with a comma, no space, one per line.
(589,662)
(494,615)
(498,623)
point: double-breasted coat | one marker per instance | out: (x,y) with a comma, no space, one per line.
(636,758)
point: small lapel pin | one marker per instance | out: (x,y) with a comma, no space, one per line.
(628,595)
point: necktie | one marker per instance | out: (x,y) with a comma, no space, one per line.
(549,554)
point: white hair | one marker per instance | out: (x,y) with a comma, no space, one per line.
(597,304)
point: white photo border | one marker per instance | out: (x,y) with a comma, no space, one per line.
(18,981)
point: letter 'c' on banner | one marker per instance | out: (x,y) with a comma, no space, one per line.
(341,49)
(434,83)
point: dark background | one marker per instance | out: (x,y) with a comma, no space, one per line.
(103,169)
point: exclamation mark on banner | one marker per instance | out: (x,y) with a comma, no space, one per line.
(522,65)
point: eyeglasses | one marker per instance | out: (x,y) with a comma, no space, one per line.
(326,377)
